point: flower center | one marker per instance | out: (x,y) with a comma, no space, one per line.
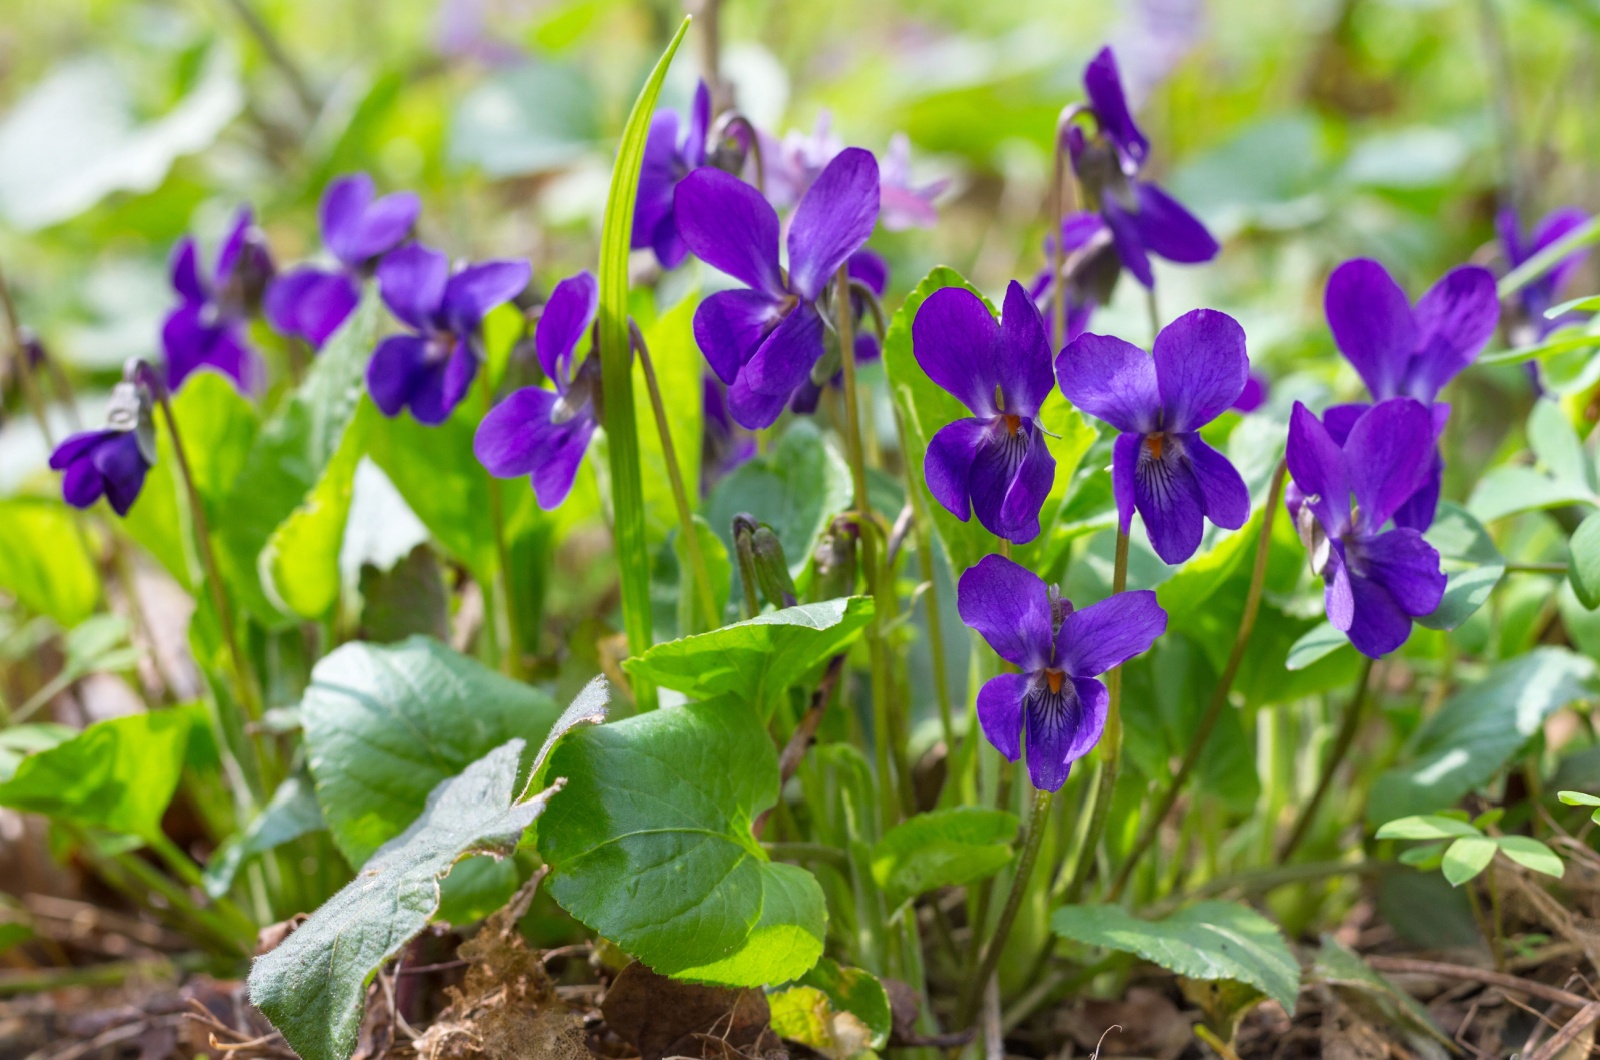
(1054,678)
(1155,443)
(1013,424)
(440,345)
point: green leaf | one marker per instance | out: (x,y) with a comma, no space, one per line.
(288,457)
(1479,729)
(313,986)
(1427,827)
(678,365)
(942,848)
(300,563)
(839,1012)
(1426,857)
(616,367)
(756,660)
(650,846)
(1531,854)
(1467,857)
(1341,967)
(118,774)
(1515,488)
(533,116)
(1208,940)
(926,407)
(385,724)
(796,489)
(1558,447)
(1583,561)
(1578,798)
(19,741)
(1472,565)
(1318,643)
(43,562)
(291,813)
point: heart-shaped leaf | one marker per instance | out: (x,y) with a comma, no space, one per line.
(943,848)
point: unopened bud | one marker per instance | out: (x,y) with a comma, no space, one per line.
(129,409)
(32,348)
(772,569)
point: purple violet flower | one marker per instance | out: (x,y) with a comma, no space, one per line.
(111,462)
(670,154)
(763,339)
(311,302)
(1254,394)
(1537,297)
(430,369)
(207,327)
(1375,581)
(724,444)
(873,271)
(1405,351)
(996,463)
(1056,699)
(1144,220)
(1091,267)
(1160,465)
(541,433)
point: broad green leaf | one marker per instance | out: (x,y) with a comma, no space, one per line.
(1531,854)
(288,457)
(1558,447)
(385,724)
(300,563)
(756,660)
(314,984)
(942,848)
(526,117)
(291,813)
(1426,857)
(650,846)
(1207,940)
(1515,488)
(1319,642)
(1427,827)
(1479,729)
(1467,857)
(1583,561)
(839,1012)
(1578,798)
(118,775)
(43,562)
(1472,565)
(925,408)
(796,489)
(19,741)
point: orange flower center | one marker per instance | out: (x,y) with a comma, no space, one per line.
(1054,678)
(1013,424)
(1155,442)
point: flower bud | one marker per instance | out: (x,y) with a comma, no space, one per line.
(834,561)
(772,569)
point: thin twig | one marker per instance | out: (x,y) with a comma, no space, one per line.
(1500,980)
(1586,1017)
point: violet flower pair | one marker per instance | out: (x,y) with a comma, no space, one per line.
(1056,699)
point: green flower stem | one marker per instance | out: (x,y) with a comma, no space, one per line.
(616,373)
(1219,697)
(928,566)
(1038,822)
(1341,747)
(1110,751)
(889,793)
(680,496)
(1547,259)
(511,658)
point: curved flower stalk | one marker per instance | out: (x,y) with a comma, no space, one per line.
(1375,580)
(111,462)
(540,433)
(311,302)
(764,339)
(871,273)
(1405,351)
(1143,219)
(431,369)
(1534,300)
(1056,699)
(207,327)
(996,463)
(1160,466)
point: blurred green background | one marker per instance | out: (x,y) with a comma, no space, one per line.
(1303,132)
